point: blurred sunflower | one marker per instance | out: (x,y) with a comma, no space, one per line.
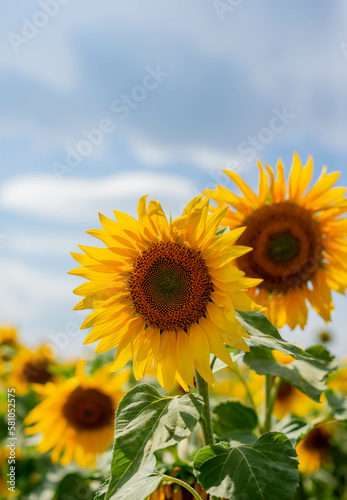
(29,367)
(290,400)
(314,449)
(165,292)
(325,336)
(298,239)
(8,335)
(76,417)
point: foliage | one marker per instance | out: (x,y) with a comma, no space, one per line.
(158,440)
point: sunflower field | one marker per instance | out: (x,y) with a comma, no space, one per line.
(193,392)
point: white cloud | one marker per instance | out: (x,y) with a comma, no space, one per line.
(55,66)
(157,155)
(39,303)
(27,294)
(44,244)
(79,200)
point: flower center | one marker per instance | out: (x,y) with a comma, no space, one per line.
(287,246)
(36,372)
(285,390)
(282,248)
(318,439)
(88,409)
(170,286)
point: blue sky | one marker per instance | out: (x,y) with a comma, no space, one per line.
(171,93)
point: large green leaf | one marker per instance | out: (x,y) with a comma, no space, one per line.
(73,486)
(147,422)
(139,486)
(307,375)
(233,416)
(264,470)
(264,334)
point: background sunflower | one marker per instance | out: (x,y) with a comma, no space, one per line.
(29,367)
(76,416)
(314,450)
(298,236)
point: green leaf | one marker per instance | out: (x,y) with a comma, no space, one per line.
(233,416)
(309,376)
(147,422)
(264,334)
(139,486)
(264,470)
(311,366)
(100,494)
(321,352)
(73,486)
(221,231)
(237,438)
(338,404)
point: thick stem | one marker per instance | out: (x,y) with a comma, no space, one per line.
(183,484)
(206,419)
(268,408)
(272,388)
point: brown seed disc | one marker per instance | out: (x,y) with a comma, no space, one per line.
(285,391)
(318,439)
(287,246)
(170,286)
(36,372)
(88,409)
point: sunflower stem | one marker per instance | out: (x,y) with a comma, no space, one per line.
(206,418)
(268,406)
(237,372)
(272,387)
(183,484)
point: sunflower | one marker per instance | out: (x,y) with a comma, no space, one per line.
(298,239)
(28,367)
(314,449)
(290,400)
(76,417)
(8,335)
(165,292)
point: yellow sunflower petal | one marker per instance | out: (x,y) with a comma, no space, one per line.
(126,348)
(201,352)
(246,190)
